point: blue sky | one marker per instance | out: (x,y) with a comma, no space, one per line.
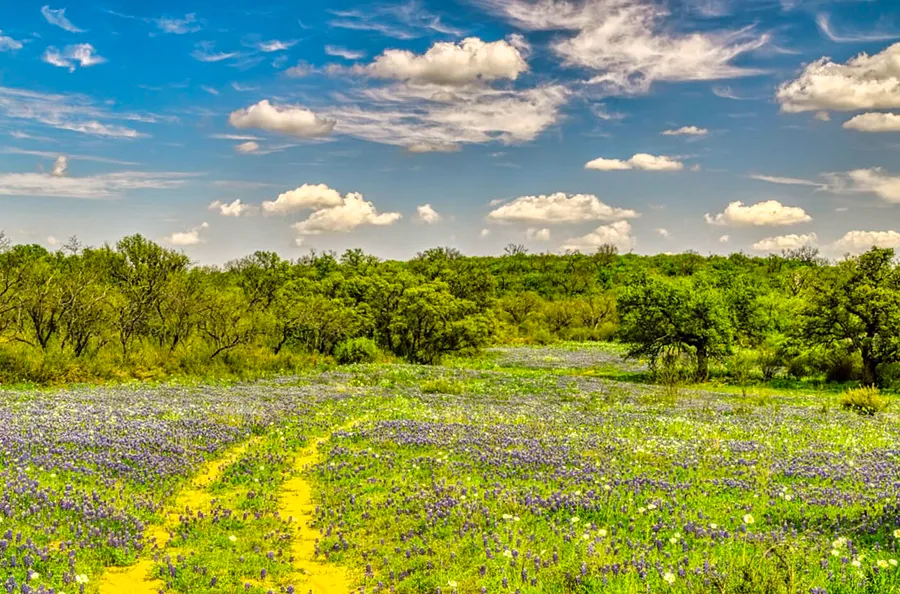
(223,128)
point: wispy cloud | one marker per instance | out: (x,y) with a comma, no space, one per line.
(179,26)
(82,54)
(106,186)
(52,155)
(8,44)
(340,52)
(58,17)
(76,113)
(275,45)
(823,20)
(788,181)
(205,52)
(402,21)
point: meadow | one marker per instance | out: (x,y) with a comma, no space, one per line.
(519,471)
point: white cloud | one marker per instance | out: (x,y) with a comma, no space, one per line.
(275,45)
(874,122)
(788,181)
(52,241)
(306,197)
(485,232)
(664,233)
(725,239)
(427,214)
(537,234)
(210,90)
(83,53)
(864,82)
(232,209)
(687,131)
(558,208)
(432,147)
(235,137)
(768,213)
(247,147)
(341,52)
(405,20)
(60,166)
(409,116)
(191,237)
(856,242)
(617,234)
(8,44)
(875,181)
(287,119)
(110,185)
(70,157)
(641,161)
(451,64)
(58,17)
(824,23)
(353,211)
(205,52)
(243,88)
(176,26)
(627,43)
(785,242)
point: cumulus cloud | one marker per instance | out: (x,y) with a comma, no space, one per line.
(60,166)
(247,147)
(558,208)
(785,242)
(664,233)
(485,232)
(864,82)
(83,54)
(427,214)
(58,17)
(687,131)
(306,197)
(617,234)
(191,237)
(856,242)
(626,42)
(874,122)
(232,209)
(874,181)
(537,234)
(8,44)
(353,211)
(769,213)
(451,64)
(641,161)
(285,119)
(725,239)
(110,185)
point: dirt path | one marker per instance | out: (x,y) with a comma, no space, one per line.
(314,574)
(135,579)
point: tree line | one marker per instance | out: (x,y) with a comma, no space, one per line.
(139,309)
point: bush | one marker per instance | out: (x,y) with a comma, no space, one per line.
(841,367)
(865,401)
(356,350)
(443,385)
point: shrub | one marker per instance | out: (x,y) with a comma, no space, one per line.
(865,401)
(356,350)
(842,367)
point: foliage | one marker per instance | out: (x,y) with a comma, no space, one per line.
(865,400)
(356,350)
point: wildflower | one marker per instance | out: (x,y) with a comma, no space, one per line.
(897,533)
(893,562)
(507,553)
(651,506)
(81,579)
(451,583)
(882,564)
(669,577)
(713,526)
(232,538)
(673,540)
(585,536)
(575,519)
(856,563)
(507,517)
(835,553)
(34,576)
(748,519)
(839,543)
(602,533)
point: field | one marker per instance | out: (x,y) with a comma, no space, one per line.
(519,472)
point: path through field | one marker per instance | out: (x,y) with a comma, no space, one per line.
(295,503)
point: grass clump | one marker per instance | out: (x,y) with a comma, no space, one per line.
(443,385)
(864,401)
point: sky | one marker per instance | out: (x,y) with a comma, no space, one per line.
(222,128)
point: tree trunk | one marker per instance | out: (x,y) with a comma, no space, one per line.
(702,364)
(870,368)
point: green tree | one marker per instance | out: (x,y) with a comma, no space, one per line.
(659,315)
(856,305)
